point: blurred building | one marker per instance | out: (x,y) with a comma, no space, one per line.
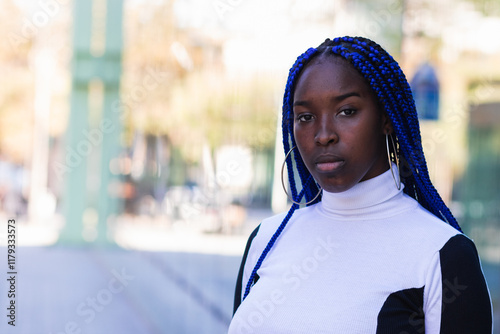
(200,76)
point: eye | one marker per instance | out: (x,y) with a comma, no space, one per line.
(304,117)
(347,112)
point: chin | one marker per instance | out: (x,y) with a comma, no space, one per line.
(338,188)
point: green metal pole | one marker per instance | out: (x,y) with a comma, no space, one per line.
(109,202)
(93,144)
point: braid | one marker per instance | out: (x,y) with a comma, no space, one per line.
(389,83)
(394,94)
(310,188)
(268,248)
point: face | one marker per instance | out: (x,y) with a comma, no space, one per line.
(338,126)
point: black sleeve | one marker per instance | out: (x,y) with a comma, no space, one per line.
(466,305)
(237,293)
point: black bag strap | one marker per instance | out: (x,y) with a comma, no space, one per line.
(239,283)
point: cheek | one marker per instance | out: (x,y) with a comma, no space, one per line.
(302,137)
(303,149)
(304,146)
(362,144)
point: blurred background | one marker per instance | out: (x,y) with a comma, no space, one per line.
(140,143)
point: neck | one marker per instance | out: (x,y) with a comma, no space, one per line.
(373,198)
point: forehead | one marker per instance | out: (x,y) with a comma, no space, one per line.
(330,74)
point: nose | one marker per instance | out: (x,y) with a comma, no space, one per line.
(326,132)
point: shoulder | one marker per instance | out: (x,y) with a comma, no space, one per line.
(423,225)
(271,224)
(459,258)
(466,304)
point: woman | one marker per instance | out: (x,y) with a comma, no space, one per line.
(375,250)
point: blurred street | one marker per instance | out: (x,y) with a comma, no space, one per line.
(168,281)
(118,291)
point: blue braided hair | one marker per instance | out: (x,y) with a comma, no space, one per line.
(387,80)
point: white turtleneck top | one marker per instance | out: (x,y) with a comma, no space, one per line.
(367,260)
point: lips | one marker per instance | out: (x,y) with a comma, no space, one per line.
(328,163)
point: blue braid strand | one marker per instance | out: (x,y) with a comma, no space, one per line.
(397,99)
(274,238)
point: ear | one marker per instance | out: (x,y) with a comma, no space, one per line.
(387,128)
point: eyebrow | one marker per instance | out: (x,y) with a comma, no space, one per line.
(336,98)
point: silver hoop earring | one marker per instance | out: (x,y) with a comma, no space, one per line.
(283,182)
(398,181)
